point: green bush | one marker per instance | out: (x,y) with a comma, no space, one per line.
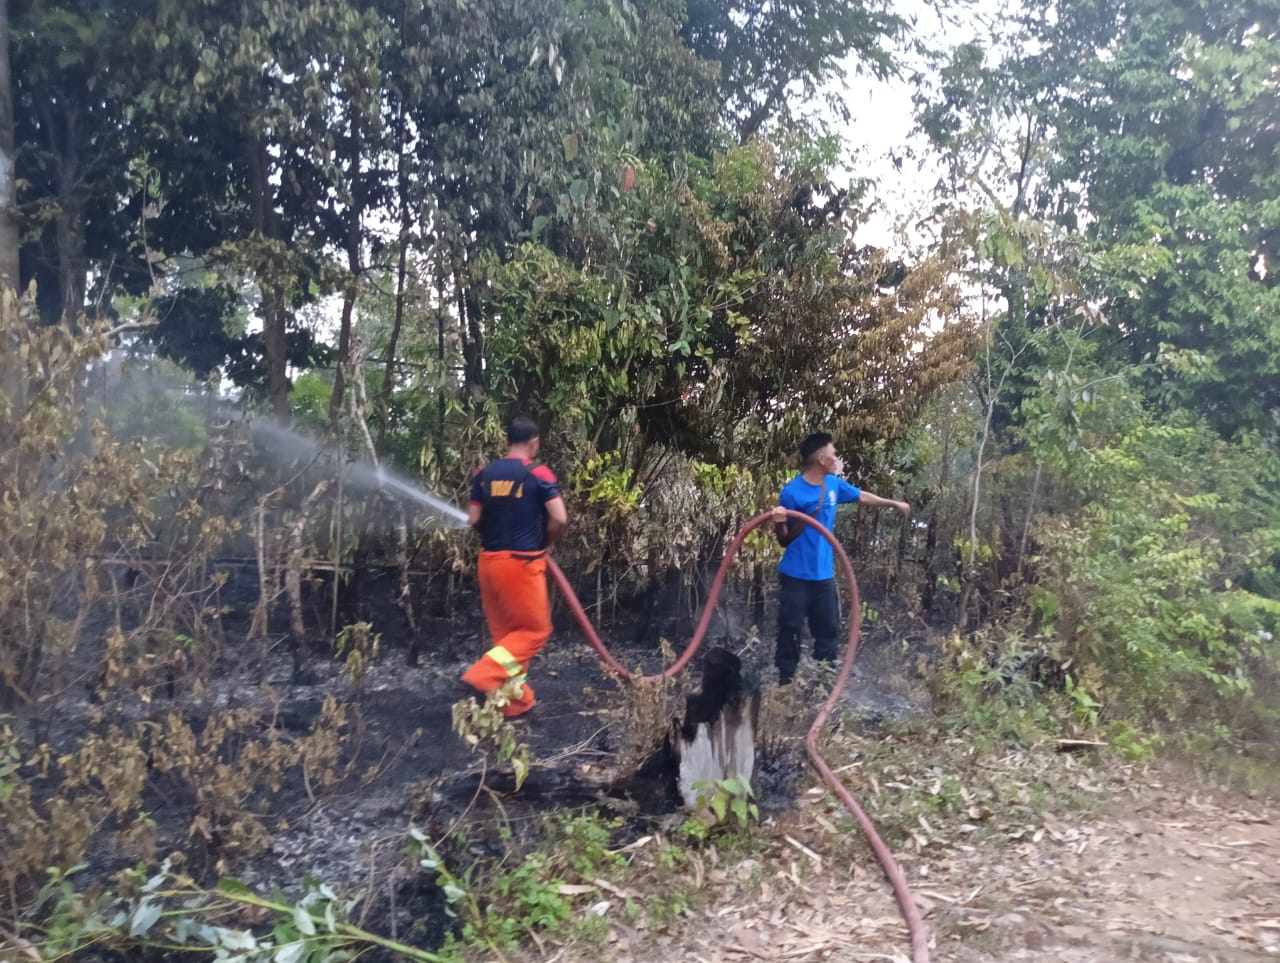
(1155,593)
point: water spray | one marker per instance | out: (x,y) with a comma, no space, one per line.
(287,444)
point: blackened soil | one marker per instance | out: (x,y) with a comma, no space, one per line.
(405,766)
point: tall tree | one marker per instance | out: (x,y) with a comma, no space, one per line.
(745,315)
(773,55)
(1112,172)
(1159,150)
(280,102)
(1170,125)
(268,144)
(8,183)
(74,79)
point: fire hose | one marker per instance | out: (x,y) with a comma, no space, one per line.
(910,914)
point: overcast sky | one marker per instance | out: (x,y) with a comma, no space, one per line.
(882,123)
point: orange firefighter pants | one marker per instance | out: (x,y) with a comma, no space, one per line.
(513,588)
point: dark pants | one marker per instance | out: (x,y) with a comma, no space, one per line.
(800,599)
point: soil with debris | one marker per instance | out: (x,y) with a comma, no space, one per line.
(1163,872)
(1137,864)
(1158,871)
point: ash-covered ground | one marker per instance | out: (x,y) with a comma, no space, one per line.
(597,742)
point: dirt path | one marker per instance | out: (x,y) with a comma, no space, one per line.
(1160,876)
(1163,873)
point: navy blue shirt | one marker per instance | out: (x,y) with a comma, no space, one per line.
(512,494)
(810,556)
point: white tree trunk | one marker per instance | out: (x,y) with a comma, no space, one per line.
(8,183)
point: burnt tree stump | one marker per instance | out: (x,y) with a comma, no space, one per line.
(717,738)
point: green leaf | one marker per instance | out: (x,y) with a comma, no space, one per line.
(290,952)
(144,917)
(156,881)
(187,928)
(720,806)
(238,940)
(303,921)
(233,887)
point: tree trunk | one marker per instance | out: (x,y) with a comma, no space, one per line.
(402,270)
(275,343)
(344,353)
(354,221)
(12,382)
(472,338)
(275,319)
(716,740)
(69,222)
(8,185)
(751,125)
(404,598)
(393,341)
(442,408)
(65,300)
(71,261)
(931,562)
(293,573)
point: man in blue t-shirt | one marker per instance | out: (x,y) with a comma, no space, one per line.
(807,570)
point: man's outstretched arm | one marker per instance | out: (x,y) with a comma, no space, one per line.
(872,500)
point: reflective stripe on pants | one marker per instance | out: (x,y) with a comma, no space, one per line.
(508,662)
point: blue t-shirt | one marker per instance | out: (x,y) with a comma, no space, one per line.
(811,556)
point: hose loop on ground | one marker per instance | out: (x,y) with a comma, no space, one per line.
(906,904)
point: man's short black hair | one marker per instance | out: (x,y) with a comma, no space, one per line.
(521,430)
(813,443)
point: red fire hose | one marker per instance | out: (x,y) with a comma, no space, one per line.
(910,914)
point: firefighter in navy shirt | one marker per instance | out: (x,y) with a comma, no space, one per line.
(516,506)
(806,574)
